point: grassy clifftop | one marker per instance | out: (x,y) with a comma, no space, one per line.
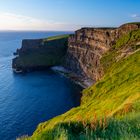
(110,109)
(41,53)
(124,46)
(56,37)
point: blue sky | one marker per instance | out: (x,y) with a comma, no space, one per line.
(66,14)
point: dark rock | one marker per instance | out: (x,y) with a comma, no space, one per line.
(40,54)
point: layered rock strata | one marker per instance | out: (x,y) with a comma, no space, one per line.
(80,53)
(88,45)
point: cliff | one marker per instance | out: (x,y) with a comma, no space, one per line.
(88,45)
(40,54)
(110,109)
(81,53)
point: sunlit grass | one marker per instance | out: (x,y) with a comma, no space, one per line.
(116,96)
(110,109)
(56,37)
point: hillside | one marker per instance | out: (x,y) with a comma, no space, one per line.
(110,109)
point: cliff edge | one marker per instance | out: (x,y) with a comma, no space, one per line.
(88,45)
(80,53)
(40,54)
(110,108)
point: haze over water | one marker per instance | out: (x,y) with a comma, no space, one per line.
(26,100)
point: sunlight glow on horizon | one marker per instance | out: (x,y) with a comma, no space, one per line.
(66,15)
(11,21)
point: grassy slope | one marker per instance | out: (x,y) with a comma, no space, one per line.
(110,109)
(126,42)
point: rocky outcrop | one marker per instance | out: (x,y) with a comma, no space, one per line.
(40,54)
(88,45)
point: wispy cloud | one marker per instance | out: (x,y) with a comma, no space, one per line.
(135,16)
(11,21)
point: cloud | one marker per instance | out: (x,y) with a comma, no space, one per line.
(135,16)
(11,21)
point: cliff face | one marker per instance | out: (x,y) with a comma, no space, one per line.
(29,45)
(40,53)
(113,102)
(85,49)
(88,45)
(110,108)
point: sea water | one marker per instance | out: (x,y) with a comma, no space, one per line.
(29,99)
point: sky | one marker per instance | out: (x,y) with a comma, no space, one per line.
(66,15)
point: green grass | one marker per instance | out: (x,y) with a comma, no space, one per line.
(118,88)
(126,129)
(127,41)
(116,96)
(110,109)
(56,37)
(129,38)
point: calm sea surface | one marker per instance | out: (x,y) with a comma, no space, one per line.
(26,100)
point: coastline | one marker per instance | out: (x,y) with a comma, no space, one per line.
(90,61)
(79,80)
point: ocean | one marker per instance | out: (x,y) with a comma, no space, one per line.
(29,99)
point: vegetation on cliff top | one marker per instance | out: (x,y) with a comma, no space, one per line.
(110,109)
(56,37)
(136,23)
(50,52)
(124,45)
